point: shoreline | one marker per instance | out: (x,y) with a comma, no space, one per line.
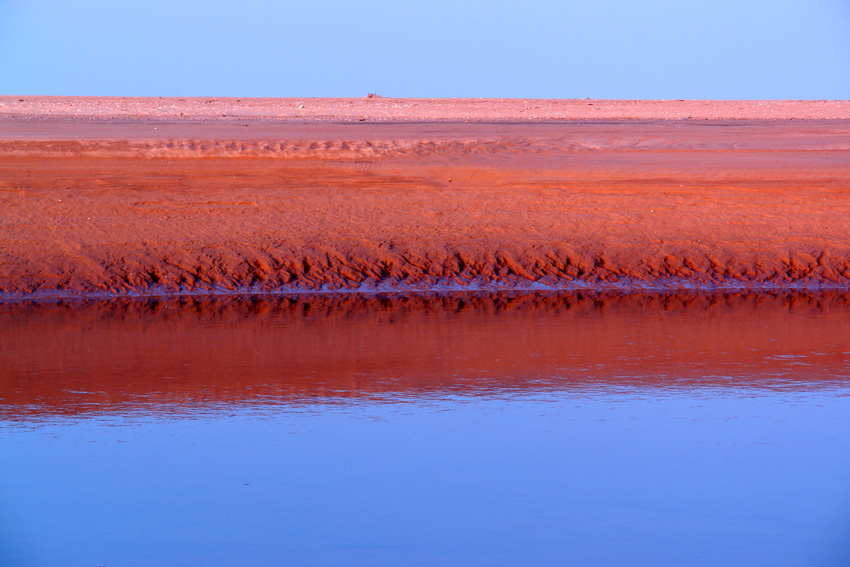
(437,289)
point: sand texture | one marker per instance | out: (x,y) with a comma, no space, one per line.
(127,198)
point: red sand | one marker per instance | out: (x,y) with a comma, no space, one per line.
(136,355)
(121,196)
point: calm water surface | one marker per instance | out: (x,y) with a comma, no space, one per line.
(487,430)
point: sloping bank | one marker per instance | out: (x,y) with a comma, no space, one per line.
(102,205)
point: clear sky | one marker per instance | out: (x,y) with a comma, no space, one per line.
(724,49)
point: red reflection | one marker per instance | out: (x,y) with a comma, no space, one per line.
(70,358)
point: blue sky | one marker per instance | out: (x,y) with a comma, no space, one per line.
(770,49)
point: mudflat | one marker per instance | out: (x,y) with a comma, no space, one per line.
(165,196)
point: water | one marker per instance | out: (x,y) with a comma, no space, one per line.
(492,430)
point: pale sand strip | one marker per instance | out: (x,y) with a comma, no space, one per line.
(382,109)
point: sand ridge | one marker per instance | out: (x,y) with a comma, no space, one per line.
(102,207)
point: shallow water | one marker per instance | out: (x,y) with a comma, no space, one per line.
(427,430)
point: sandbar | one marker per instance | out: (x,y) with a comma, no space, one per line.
(108,197)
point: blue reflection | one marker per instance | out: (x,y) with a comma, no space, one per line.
(639,478)
(635,472)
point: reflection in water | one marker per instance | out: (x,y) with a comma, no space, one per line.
(445,429)
(142,355)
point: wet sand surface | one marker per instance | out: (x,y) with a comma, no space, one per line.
(117,197)
(140,355)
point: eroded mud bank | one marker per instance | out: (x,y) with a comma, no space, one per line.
(106,207)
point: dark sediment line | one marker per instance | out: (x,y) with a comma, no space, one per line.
(229,284)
